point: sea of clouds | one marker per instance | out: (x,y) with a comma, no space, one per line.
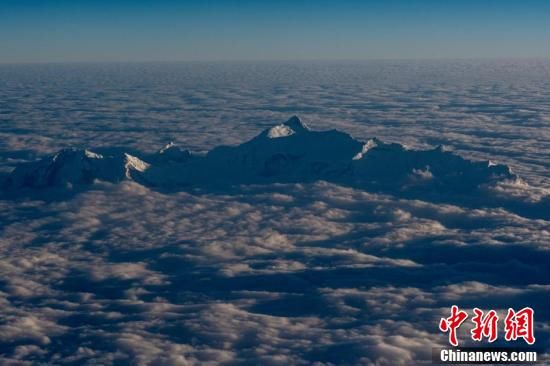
(278,274)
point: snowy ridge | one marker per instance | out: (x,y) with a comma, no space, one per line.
(75,166)
(289,152)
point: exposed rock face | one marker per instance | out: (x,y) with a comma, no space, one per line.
(289,152)
(74,166)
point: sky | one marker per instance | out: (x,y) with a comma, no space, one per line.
(217,30)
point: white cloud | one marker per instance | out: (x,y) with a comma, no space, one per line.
(281,274)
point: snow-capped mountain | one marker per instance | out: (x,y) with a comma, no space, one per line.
(75,166)
(289,152)
(171,153)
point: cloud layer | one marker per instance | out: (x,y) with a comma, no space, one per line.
(295,273)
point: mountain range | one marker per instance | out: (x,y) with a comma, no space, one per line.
(287,153)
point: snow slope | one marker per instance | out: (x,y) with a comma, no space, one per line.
(289,152)
(74,166)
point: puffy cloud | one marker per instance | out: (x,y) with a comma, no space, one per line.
(122,272)
(305,273)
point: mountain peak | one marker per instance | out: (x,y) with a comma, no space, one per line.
(288,152)
(172,153)
(292,126)
(296,124)
(76,166)
(74,154)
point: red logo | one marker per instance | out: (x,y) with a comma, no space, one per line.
(452,323)
(520,325)
(485,325)
(516,325)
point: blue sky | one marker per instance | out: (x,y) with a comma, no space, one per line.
(146,30)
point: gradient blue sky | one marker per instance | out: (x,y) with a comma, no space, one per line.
(147,30)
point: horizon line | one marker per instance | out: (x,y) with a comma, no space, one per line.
(298,60)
